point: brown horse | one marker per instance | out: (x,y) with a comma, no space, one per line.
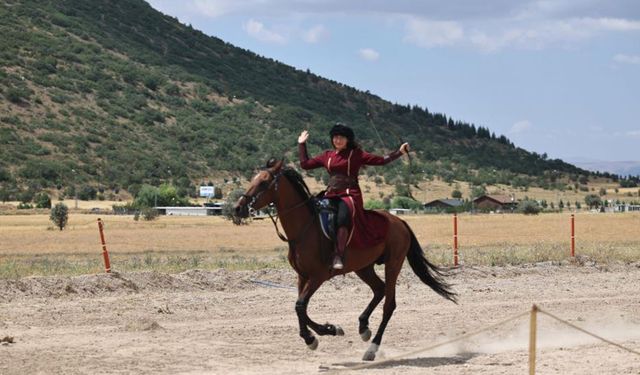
(310,252)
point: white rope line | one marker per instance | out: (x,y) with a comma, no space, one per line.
(589,333)
(401,356)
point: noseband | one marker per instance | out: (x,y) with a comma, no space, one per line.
(263,187)
(251,199)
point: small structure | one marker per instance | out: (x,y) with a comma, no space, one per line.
(498,203)
(399,211)
(190,211)
(626,208)
(443,204)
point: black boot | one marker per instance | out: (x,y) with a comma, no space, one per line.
(342,236)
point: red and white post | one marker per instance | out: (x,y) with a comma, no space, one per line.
(105,253)
(455,240)
(573,235)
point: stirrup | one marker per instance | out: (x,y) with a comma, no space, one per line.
(337,263)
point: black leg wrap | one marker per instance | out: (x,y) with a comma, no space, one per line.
(364,324)
(301,306)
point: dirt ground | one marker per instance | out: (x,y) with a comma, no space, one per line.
(220,322)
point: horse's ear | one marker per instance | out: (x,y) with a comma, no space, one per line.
(271,162)
(276,165)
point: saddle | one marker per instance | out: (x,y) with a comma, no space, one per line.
(327,213)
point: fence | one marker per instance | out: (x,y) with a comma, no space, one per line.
(533,328)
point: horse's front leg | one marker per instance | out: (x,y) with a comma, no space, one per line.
(306,288)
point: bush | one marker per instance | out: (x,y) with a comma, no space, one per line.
(374,204)
(593,200)
(149,214)
(87,193)
(60,215)
(529,207)
(405,202)
(165,195)
(42,200)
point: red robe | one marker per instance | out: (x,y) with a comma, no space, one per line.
(368,228)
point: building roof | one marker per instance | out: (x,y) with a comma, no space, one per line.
(449,202)
(502,199)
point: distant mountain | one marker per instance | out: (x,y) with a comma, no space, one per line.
(621,168)
(111,94)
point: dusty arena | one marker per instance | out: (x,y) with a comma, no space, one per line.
(243,322)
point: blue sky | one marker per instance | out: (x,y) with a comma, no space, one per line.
(557,77)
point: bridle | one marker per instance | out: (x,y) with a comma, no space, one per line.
(262,188)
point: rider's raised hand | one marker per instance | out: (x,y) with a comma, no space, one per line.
(404,148)
(303,136)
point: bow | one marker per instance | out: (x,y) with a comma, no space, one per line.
(373,125)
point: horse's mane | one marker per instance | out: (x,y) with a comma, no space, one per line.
(297,181)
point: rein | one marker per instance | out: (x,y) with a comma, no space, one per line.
(282,237)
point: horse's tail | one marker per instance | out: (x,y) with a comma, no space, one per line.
(430,274)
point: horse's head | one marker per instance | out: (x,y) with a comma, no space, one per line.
(262,190)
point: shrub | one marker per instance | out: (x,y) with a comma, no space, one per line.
(374,204)
(593,200)
(149,214)
(529,207)
(405,202)
(42,200)
(60,215)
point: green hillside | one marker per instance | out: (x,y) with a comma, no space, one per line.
(111,94)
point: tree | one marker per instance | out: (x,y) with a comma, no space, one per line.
(60,215)
(478,191)
(456,194)
(228,209)
(42,200)
(592,201)
(529,207)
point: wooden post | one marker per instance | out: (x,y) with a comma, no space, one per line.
(532,340)
(105,253)
(455,240)
(573,235)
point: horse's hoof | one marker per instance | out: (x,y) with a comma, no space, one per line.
(314,344)
(366,335)
(339,331)
(370,354)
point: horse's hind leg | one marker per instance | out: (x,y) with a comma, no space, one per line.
(392,269)
(368,275)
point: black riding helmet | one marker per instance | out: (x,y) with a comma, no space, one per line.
(341,129)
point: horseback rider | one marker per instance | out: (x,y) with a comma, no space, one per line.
(356,226)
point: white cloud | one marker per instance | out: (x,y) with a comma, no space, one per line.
(520,127)
(541,34)
(428,34)
(626,59)
(633,133)
(256,29)
(216,8)
(369,54)
(315,34)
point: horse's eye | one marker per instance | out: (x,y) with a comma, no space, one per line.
(263,184)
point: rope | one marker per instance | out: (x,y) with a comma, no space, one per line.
(470,334)
(271,284)
(589,333)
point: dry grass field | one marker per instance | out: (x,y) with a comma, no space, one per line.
(30,245)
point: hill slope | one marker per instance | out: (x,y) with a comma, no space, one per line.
(113,94)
